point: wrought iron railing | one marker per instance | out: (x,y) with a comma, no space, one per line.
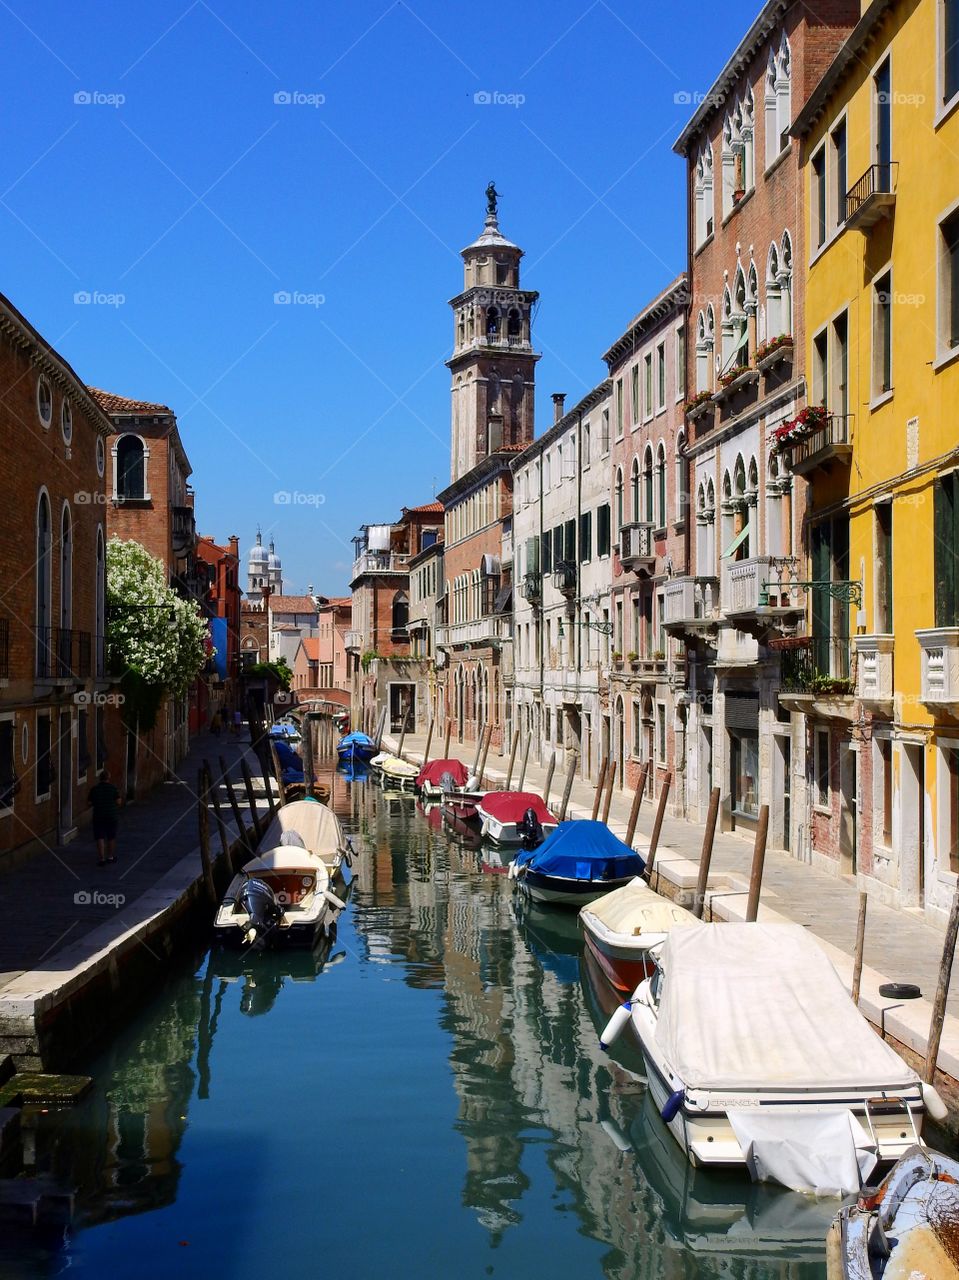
(878,180)
(820,664)
(63,653)
(835,430)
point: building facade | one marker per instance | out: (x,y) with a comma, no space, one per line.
(222,597)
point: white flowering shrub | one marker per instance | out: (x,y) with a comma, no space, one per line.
(154,638)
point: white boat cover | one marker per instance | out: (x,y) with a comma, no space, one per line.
(290,860)
(318,825)
(634,910)
(398,767)
(824,1154)
(753,1006)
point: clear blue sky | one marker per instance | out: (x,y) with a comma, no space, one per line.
(198,197)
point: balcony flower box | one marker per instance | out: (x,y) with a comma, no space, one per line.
(699,405)
(734,381)
(774,351)
(813,418)
(618,661)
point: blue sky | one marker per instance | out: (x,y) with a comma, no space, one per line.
(147,163)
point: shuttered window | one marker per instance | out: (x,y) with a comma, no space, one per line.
(586,536)
(602,530)
(946,549)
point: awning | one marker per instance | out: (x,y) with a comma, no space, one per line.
(503,602)
(737,542)
(743,339)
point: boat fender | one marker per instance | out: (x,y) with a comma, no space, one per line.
(334,901)
(349,853)
(512,871)
(672,1104)
(614,1028)
(935,1107)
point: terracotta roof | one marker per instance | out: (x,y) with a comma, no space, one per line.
(428,508)
(292,604)
(111,403)
(311,647)
(512,448)
(340,602)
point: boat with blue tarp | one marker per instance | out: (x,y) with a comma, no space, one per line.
(579,862)
(356,747)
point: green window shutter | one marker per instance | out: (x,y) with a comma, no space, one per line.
(532,555)
(547,552)
(570,542)
(586,536)
(946,549)
(602,530)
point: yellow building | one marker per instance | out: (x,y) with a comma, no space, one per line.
(879,144)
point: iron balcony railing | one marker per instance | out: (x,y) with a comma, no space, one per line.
(823,664)
(63,653)
(876,187)
(830,439)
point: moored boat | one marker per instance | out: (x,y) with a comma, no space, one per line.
(758,1059)
(440,776)
(319,830)
(398,773)
(907,1227)
(578,863)
(501,814)
(282,898)
(624,928)
(356,748)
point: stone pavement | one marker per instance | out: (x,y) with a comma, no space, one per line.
(901,946)
(46,903)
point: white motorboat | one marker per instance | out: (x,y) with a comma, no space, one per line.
(625,929)
(907,1227)
(280,899)
(757,1058)
(319,829)
(500,813)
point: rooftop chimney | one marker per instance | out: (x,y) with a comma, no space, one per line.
(559,402)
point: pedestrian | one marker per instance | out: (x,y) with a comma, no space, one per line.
(237,721)
(105,800)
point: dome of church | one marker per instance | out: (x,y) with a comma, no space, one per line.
(258,553)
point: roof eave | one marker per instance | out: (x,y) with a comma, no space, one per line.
(848,53)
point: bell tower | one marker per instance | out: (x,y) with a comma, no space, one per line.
(493,363)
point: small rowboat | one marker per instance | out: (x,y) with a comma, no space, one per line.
(398,773)
(356,748)
(624,928)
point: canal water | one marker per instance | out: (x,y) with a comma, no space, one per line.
(427,1098)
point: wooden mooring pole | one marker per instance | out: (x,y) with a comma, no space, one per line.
(759,859)
(522,772)
(942,991)
(488,738)
(657,826)
(446,740)
(406,721)
(203,816)
(637,801)
(549,777)
(214,794)
(610,780)
(604,765)
(860,947)
(429,742)
(251,799)
(479,749)
(568,789)
(309,776)
(237,816)
(512,760)
(706,856)
(279,775)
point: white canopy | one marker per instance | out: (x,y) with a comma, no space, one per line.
(286,859)
(750,1006)
(634,910)
(318,825)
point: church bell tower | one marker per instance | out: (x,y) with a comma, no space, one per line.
(493,363)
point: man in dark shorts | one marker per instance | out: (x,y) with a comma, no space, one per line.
(105,800)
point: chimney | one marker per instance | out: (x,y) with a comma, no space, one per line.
(559,402)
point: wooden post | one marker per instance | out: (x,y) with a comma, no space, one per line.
(380,727)
(604,765)
(446,740)
(213,792)
(549,778)
(237,815)
(860,946)
(203,814)
(279,775)
(637,801)
(610,779)
(251,799)
(429,742)
(479,747)
(707,854)
(942,990)
(512,760)
(522,772)
(759,858)
(657,826)
(406,721)
(568,789)
(309,776)
(488,739)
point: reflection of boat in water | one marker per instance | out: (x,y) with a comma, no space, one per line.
(264,974)
(712,1213)
(552,937)
(353,770)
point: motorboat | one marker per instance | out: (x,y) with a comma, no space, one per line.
(906,1227)
(578,863)
(319,830)
(758,1059)
(501,814)
(437,777)
(356,747)
(376,763)
(287,730)
(625,928)
(282,898)
(398,773)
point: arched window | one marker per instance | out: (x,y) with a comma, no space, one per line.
(786,276)
(635,512)
(728,160)
(777,106)
(704,196)
(130,469)
(44,586)
(401,611)
(747,133)
(774,312)
(619,500)
(661,486)
(514,328)
(66,568)
(492,322)
(648,484)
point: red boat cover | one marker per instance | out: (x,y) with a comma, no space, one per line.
(433,771)
(511,806)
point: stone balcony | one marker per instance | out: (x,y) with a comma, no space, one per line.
(874,677)
(477,631)
(760,589)
(353,640)
(637,550)
(940,669)
(690,605)
(380,562)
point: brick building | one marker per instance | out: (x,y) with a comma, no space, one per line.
(53,734)
(747,247)
(291,618)
(149,501)
(222,604)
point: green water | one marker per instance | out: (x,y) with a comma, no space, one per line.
(429,1102)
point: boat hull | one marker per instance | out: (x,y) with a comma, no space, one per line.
(624,971)
(559,891)
(506,833)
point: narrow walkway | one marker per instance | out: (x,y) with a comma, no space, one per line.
(900,945)
(48,903)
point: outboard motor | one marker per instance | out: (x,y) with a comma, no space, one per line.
(447,781)
(530,830)
(258,900)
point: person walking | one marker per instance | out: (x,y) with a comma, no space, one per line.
(105,800)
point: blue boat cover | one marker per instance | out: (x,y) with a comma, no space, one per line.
(353,740)
(582,851)
(287,757)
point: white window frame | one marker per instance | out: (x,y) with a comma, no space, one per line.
(944,109)
(819,804)
(10,717)
(944,355)
(878,396)
(942,815)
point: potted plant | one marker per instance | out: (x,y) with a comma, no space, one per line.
(697,401)
(727,379)
(617,659)
(633,660)
(659,655)
(780,343)
(808,420)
